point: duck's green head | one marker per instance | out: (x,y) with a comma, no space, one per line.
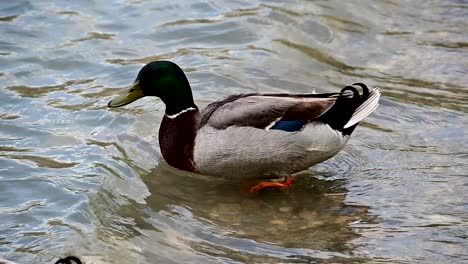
(163,79)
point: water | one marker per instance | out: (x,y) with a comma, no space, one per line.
(78,178)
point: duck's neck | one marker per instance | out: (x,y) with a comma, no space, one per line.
(177,138)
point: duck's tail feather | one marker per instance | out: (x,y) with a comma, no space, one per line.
(370,103)
(351,107)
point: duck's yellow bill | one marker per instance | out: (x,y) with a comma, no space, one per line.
(130,94)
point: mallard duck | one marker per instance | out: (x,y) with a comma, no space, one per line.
(68,260)
(252,135)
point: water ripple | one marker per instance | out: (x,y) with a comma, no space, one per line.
(77,178)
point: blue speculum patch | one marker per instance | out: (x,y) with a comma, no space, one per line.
(290,125)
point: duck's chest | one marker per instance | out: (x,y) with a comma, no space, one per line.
(177,140)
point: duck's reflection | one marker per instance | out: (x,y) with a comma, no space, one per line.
(312,215)
(189,216)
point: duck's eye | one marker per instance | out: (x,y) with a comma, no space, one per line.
(132,90)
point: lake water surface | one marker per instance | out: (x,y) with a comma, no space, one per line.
(78,178)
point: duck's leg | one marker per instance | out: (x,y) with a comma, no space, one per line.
(273,185)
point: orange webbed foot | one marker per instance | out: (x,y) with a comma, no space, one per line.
(272,185)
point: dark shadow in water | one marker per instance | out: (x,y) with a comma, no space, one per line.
(200,219)
(306,223)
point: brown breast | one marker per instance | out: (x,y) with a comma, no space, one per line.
(177,140)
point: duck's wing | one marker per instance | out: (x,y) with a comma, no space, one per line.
(264,110)
(342,111)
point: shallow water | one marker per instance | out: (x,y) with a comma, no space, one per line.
(78,178)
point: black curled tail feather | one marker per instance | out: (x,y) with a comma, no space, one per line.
(365,90)
(342,111)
